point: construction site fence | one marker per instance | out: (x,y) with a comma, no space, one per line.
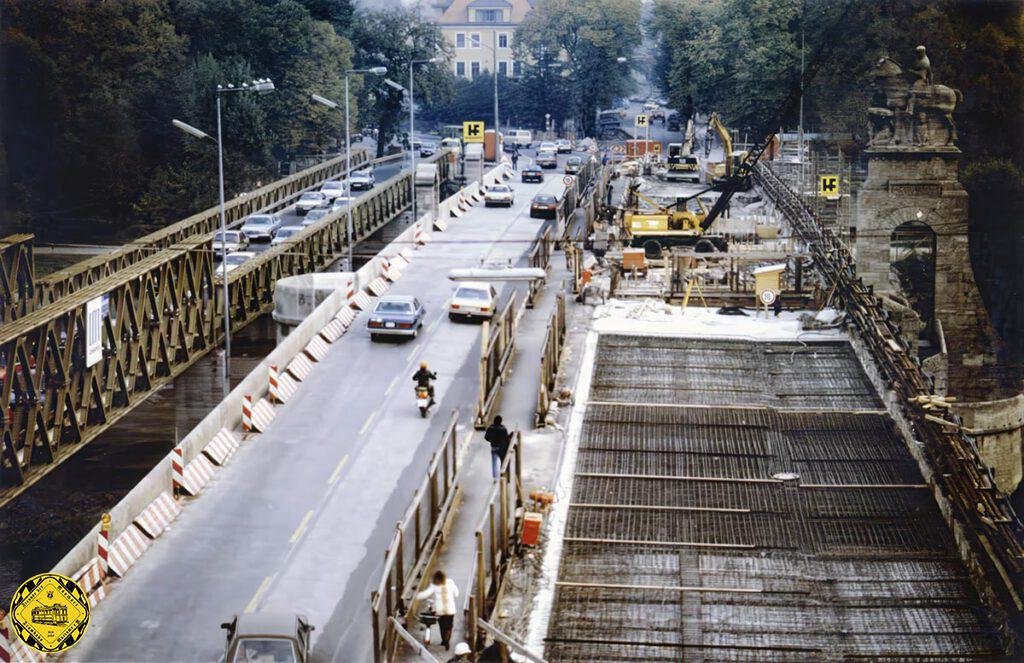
(982,517)
(415,543)
(497,342)
(576,194)
(496,538)
(540,257)
(554,343)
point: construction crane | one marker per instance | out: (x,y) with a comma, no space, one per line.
(731,158)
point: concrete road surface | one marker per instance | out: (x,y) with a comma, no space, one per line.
(299,520)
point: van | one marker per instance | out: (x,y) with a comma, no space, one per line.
(521,137)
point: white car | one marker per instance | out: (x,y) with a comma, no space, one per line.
(286,233)
(453,144)
(362,180)
(547,159)
(236,241)
(333,188)
(473,299)
(234,261)
(563,145)
(341,202)
(499,194)
(314,216)
(309,201)
(261,226)
(547,146)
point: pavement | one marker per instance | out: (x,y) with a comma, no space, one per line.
(301,517)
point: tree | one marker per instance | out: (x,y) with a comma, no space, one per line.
(588,36)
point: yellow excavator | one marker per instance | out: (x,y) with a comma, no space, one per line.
(733,158)
(666,226)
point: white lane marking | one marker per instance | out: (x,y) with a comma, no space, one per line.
(256,597)
(368,421)
(412,353)
(337,470)
(391,387)
(302,525)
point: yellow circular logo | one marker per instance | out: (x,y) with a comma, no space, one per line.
(50,612)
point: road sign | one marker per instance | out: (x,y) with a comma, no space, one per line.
(567,180)
(641,121)
(472,132)
(768,297)
(828,185)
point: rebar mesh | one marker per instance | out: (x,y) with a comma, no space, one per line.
(684,543)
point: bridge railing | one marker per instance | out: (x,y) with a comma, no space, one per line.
(496,536)
(539,257)
(993,533)
(497,342)
(17,277)
(554,343)
(415,542)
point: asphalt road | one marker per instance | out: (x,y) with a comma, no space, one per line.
(300,518)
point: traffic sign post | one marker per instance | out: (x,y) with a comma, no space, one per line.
(828,186)
(641,121)
(472,132)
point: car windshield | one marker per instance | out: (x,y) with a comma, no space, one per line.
(310,197)
(498,188)
(575,160)
(393,307)
(232,236)
(264,650)
(333,186)
(259,221)
(544,199)
(287,232)
(236,258)
(472,293)
(361,176)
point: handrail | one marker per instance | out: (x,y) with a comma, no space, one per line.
(554,343)
(497,343)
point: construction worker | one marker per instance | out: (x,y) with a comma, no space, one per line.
(462,653)
(423,377)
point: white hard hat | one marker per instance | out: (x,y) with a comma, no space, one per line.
(462,648)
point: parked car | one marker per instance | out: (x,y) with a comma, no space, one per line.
(362,179)
(573,165)
(563,145)
(427,149)
(499,194)
(544,206)
(547,146)
(333,188)
(289,231)
(311,200)
(234,261)
(230,241)
(532,174)
(280,637)
(473,299)
(261,226)
(547,159)
(315,215)
(396,315)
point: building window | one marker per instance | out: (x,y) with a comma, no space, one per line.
(517,68)
(488,16)
(474,69)
(503,68)
(460,69)
(502,40)
(474,40)
(460,40)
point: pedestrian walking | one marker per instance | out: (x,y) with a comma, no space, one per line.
(443,591)
(462,652)
(515,159)
(499,438)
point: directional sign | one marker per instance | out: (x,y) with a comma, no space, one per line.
(828,185)
(641,121)
(472,132)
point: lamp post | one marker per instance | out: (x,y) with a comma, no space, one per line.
(494,72)
(261,86)
(348,151)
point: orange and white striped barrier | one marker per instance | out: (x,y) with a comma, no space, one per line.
(262,415)
(127,549)
(361,301)
(332,331)
(440,224)
(158,516)
(222,447)
(300,367)
(103,544)
(12,648)
(273,386)
(421,237)
(346,316)
(393,270)
(317,349)
(288,385)
(379,286)
(247,413)
(91,579)
(193,476)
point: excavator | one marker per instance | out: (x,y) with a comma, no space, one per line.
(682,164)
(666,226)
(724,171)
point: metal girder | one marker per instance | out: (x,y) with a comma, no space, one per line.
(17,277)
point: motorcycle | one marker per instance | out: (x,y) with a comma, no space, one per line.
(423,400)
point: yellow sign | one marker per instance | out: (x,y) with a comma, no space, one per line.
(641,120)
(50,612)
(472,132)
(828,185)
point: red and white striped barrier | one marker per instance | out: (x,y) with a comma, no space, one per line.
(288,385)
(262,415)
(454,210)
(420,237)
(379,286)
(127,549)
(158,516)
(300,367)
(103,544)
(393,270)
(91,579)
(316,349)
(12,648)
(440,224)
(346,316)
(192,477)
(222,447)
(464,203)
(246,413)
(361,301)
(332,331)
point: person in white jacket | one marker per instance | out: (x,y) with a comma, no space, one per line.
(444,592)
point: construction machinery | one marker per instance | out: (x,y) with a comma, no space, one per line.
(731,158)
(666,226)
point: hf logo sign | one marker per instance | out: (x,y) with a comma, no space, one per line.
(828,186)
(472,132)
(641,121)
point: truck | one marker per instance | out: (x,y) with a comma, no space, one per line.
(681,164)
(490,153)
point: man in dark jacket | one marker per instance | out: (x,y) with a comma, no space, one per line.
(498,437)
(423,377)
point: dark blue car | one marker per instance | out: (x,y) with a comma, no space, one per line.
(396,315)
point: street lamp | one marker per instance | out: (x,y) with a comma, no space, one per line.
(380,71)
(494,72)
(261,86)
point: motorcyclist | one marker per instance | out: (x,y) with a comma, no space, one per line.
(423,377)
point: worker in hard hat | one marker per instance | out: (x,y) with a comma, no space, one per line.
(423,377)
(462,654)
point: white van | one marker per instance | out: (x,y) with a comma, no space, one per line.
(521,137)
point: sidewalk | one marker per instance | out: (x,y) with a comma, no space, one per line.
(516,404)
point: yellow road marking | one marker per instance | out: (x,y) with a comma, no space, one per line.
(302,526)
(337,470)
(259,592)
(369,420)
